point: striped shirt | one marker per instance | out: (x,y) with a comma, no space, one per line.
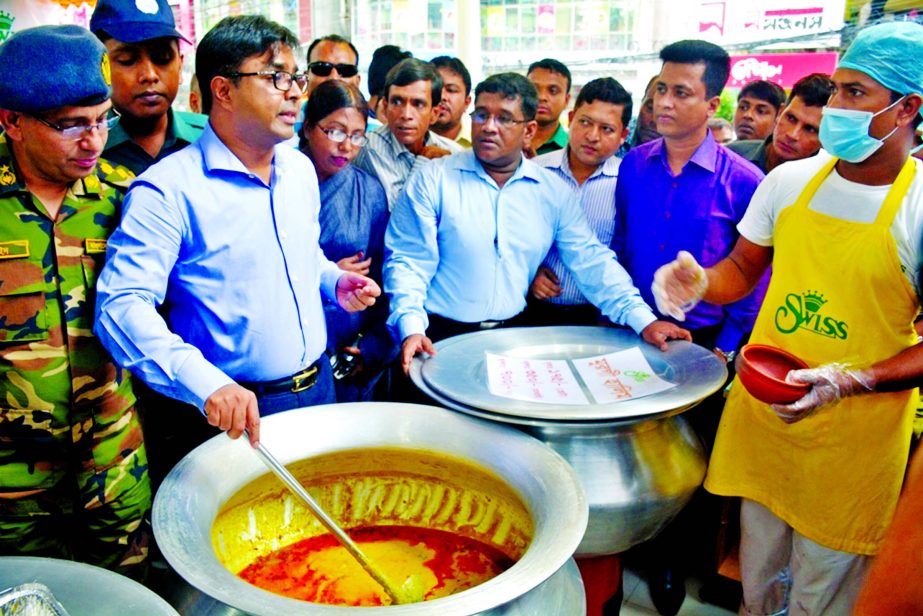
(597,199)
(391,162)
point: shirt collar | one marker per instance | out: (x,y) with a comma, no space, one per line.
(705,156)
(218,157)
(117,136)
(560,136)
(10,182)
(177,128)
(609,167)
(467,161)
(398,148)
(180,128)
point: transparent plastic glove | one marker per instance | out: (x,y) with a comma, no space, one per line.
(830,383)
(679,285)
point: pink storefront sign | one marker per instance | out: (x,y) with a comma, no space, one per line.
(781,68)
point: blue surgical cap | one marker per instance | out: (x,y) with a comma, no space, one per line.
(891,53)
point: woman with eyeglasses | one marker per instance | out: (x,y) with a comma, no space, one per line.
(353,217)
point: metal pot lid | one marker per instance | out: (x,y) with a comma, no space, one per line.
(458,372)
(415,375)
(82,589)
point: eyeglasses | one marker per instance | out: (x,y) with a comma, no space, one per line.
(479,116)
(338,136)
(282,80)
(323,69)
(77,132)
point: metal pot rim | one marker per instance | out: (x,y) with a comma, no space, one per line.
(195,489)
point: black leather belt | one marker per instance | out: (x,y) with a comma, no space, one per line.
(302,381)
(441,327)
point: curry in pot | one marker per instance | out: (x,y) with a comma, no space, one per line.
(442,523)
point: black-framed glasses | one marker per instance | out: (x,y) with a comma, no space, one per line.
(338,136)
(77,131)
(479,116)
(323,69)
(282,80)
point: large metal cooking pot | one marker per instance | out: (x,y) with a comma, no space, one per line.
(543,581)
(638,460)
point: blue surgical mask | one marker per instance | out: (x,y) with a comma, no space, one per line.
(845,133)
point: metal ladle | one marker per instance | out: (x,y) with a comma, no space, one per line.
(395,593)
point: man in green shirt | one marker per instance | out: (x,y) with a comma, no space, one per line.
(144,53)
(73,468)
(552,81)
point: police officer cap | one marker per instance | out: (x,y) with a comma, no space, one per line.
(133,21)
(75,70)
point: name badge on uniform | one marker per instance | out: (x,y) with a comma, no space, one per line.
(95,246)
(14,249)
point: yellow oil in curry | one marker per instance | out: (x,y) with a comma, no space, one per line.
(440,522)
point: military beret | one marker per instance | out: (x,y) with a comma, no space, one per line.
(133,21)
(48,67)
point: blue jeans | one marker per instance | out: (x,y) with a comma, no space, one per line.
(321,393)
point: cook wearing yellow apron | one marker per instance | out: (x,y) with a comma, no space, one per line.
(837,295)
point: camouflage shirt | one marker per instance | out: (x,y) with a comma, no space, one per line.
(56,379)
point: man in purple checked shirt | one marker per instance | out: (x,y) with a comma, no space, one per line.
(686,192)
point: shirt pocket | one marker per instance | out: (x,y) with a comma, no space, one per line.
(22,302)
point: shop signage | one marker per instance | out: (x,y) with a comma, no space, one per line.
(782,68)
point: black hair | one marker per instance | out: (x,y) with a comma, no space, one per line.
(230,42)
(607,90)
(512,86)
(383,60)
(456,66)
(555,66)
(716,60)
(330,96)
(766,91)
(814,89)
(411,71)
(332,38)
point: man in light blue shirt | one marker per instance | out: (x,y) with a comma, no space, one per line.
(589,166)
(224,236)
(470,231)
(413,89)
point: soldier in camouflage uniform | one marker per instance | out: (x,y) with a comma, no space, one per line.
(73,470)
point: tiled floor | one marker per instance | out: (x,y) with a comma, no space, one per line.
(638,601)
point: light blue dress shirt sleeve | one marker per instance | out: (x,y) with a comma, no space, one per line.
(233,262)
(598,274)
(410,268)
(129,290)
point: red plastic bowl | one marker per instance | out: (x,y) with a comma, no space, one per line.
(762,369)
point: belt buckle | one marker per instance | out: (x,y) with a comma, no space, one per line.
(490,324)
(305,380)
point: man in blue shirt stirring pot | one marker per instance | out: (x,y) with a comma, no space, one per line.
(224,234)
